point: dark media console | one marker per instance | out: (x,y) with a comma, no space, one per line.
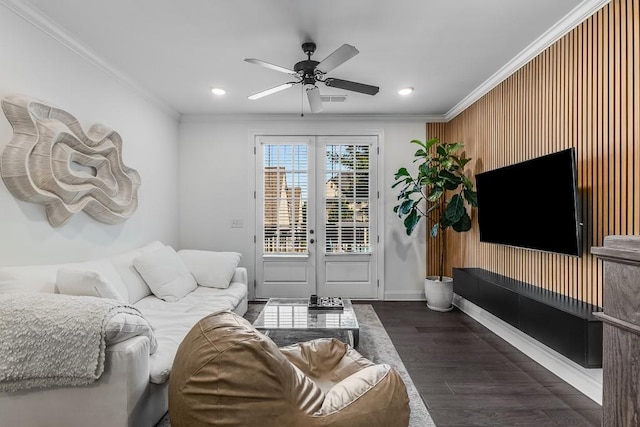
(564,324)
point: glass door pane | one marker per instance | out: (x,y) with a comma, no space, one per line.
(285,193)
(346,215)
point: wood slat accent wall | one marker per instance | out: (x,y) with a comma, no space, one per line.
(582,92)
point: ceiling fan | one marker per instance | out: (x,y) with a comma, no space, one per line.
(309,72)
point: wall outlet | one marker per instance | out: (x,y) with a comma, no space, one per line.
(237,223)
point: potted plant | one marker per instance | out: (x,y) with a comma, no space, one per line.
(440,192)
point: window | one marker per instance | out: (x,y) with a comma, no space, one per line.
(285,198)
(347,198)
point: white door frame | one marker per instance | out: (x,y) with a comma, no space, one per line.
(292,274)
(252,214)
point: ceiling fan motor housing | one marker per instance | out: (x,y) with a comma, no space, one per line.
(306,69)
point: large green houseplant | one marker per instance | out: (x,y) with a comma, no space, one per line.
(439,192)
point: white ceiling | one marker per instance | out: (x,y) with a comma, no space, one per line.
(178,50)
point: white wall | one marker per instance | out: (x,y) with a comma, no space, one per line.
(34,64)
(215,166)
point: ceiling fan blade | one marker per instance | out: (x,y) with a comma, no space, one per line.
(270,66)
(352,86)
(315,101)
(338,57)
(270,91)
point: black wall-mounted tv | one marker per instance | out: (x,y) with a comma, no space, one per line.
(532,204)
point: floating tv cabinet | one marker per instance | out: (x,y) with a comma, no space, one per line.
(564,324)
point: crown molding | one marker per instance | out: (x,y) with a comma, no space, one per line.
(36,18)
(580,13)
(199,118)
(571,20)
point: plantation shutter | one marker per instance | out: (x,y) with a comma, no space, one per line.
(347,198)
(285,198)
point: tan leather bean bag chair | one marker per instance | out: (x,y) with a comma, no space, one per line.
(228,374)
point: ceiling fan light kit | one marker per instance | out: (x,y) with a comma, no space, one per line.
(308,72)
(315,101)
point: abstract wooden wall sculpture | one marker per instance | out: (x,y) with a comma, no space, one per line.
(52,161)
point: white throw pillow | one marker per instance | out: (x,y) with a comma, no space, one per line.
(123,326)
(71,281)
(165,273)
(211,269)
(123,264)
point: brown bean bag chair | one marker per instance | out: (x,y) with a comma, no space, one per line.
(226,373)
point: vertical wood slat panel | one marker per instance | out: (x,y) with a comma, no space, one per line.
(433,254)
(635,103)
(582,92)
(599,224)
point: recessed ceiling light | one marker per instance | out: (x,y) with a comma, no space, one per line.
(405,91)
(218,91)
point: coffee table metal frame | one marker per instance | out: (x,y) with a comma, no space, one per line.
(292,314)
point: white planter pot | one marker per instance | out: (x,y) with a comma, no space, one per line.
(439,293)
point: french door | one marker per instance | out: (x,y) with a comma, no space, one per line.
(316,230)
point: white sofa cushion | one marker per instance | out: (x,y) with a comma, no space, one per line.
(29,278)
(8,286)
(123,264)
(43,278)
(71,281)
(118,270)
(165,273)
(173,320)
(211,269)
(202,301)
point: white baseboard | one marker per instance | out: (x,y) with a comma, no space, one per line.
(587,381)
(404,296)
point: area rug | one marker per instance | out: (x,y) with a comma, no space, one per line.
(375,345)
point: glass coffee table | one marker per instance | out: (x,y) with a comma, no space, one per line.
(288,320)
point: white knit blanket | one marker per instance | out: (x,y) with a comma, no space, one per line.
(53,340)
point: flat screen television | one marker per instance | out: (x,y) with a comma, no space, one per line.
(532,204)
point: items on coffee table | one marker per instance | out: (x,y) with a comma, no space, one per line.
(326,303)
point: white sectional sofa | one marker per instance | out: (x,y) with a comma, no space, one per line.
(132,391)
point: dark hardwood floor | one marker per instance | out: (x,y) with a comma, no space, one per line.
(468,376)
